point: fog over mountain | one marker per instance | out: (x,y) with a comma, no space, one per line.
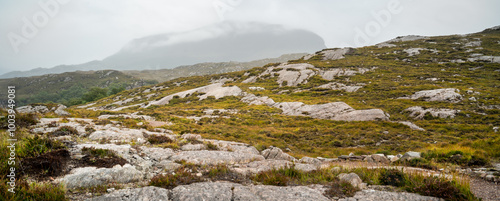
(227,41)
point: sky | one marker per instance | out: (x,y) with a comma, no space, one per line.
(46,33)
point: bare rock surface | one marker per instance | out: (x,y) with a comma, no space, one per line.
(443,95)
(370,195)
(411,125)
(92,176)
(276,153)
(340,86)
(277,193)
(261,166)
(217,90)
(338,111)
(352,178)
(336,54)
(148,193)
(418,112)
(206,191)
(205,157)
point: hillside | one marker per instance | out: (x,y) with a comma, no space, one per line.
(61,88)
(413,118)
(391,79)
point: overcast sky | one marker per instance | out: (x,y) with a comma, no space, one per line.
(78,31)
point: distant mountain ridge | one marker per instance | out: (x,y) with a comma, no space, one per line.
(227,41)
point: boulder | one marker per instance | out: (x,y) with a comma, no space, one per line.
(92,176)
(276,154)
(309,160)
(205,157)
(137,194)
(410,155)
(352,178)
(217,90)
(441,95)
(60,110)
(379,158)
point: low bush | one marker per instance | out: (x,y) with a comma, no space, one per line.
(64,130)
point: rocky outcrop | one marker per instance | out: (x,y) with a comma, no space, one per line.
(92,176)
(222,191)
(336,54)
(276,153)
(338,111)
(442,95)
(148,193)
(411,125)
(410,155)
(41,109)
(418,112)
(216,90)
(205,157)
(340,86)
(370,195)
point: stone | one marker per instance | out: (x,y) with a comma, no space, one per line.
(418,112)
(309,160)
(205,157)
(148,193)
(277,193)
(206,191)
(118,135)
(256,167)
(370,195)
(411,125)
(338,111)
(410,155)
(306,167)
(92,176)
(379,158)
(217,90)
(276,154)
(60,110)
(336,54)
(193,147)
(441,95)
(351,178)
(340,86)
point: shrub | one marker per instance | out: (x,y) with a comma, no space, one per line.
(438,187)
(211,146)
(158,139)
(65,130)
(340,189)
(181,177)
(33,191)
(36,146)
(392,177)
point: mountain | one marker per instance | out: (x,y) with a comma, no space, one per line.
(226,41)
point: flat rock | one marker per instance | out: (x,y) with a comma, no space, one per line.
(215,157)
(277,193)
(336,54)
(262,166)
(351,178)
(216,90)
(442,95)
(148,193)
(370,195)
(338,111)
(206,191)
(92,176)
(418,112)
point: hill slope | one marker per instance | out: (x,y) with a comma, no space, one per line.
(397,96)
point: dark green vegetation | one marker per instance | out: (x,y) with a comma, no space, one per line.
(69,88)
(101,158)
(397,75)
